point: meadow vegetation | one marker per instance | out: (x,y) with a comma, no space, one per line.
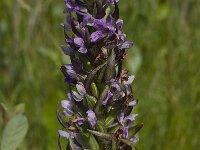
(164,59)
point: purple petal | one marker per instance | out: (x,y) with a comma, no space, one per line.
(88,20)
(66,104)
(96,36)
(80,88)
(129,120)
(79,42)
(118,95)
(72,74)
(132,103)
(130,117)
(119,24)
(67,107)
(66,50)
(79,121)
(102,24)
(128,89)
(64,134)
(75,6)
(82,50)
(120,117)
(126,45)
(111,2)
(125,133)
(134,139)
(91,118)
(67,113)
(114,85)
(108,96)
(69,69)
(130,80)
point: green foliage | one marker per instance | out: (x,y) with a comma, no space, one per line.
(165,60)
(14,132)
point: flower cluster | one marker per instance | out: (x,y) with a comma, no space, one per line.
(97,113)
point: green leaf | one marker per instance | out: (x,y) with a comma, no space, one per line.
(93,143)
(94,90)
(135,129)
(14,132)
(89,78)
(91,101)
(20,108)
(100,100)
(71,144)
(101,135)
(114,144)
(114,128)
(127,142)
(110,68)
(111,117)
(100,126)
(109,120)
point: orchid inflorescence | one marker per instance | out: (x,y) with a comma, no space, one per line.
(97,114)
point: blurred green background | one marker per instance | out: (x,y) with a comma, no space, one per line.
(165,61)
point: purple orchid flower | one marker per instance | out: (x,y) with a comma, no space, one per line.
(127,122)
(100,94)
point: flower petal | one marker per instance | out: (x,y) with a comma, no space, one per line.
(79,121)
(130,80)
(96,36)
(78,42)
(80,88)
(66,50)
(77,96)
(132,103)
(67,107)
(82,50)
(134,139)
(126,45)
(108,96)
(91,118)
(64,134)
(125,133)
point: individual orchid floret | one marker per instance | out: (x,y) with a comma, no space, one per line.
(80,88)
(67,107)
(91,118)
